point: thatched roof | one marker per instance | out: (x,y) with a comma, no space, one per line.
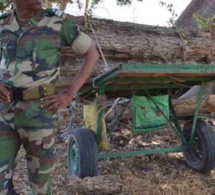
(205,8)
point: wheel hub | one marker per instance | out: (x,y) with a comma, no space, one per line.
(74,158)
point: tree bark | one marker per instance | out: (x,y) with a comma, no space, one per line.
(123,42)
(187,107)
(183,107)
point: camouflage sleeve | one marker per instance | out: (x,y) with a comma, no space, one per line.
(72,36)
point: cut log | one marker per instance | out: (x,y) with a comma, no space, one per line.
(123,42)
(183,107)
(134,43)
(188,106)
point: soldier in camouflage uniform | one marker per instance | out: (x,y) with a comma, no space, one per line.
(30,41)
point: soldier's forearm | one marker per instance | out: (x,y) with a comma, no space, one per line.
(86,70)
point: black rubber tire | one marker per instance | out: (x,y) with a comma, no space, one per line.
(82,140)
(202,157)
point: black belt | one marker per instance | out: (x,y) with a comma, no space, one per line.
(16,94)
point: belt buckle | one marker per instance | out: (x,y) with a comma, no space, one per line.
(43,91)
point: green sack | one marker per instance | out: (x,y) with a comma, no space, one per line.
(147,115)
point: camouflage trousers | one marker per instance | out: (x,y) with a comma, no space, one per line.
(25,123)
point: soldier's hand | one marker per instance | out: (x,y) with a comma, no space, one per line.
(4,94)
(55,102)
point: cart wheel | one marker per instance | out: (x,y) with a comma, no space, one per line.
(201,155)
(82,154)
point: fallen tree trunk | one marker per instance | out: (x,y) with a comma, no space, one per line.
(183,107)
(188,106)
(123,42)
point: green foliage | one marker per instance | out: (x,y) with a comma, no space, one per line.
(170,8)
(4,4)
(204,23)
(124,2)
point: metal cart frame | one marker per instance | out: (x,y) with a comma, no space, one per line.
(145,79)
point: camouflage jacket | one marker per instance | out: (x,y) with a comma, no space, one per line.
(30,57)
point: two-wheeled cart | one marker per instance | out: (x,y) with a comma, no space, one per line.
(148,81)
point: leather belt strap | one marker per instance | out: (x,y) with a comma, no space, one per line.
(32,93)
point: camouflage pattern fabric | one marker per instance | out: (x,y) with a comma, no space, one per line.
(33,127)
(29,55)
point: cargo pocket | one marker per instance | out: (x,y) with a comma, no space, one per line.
(46,54)
(24,52)
(34,109)
(35,117)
